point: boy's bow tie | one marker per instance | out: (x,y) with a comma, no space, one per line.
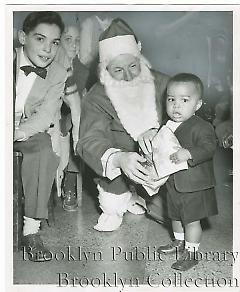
(42,72)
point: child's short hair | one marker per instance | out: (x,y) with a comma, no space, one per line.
(37,17)
(188,77)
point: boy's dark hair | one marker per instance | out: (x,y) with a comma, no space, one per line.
(37,17)
(188,77)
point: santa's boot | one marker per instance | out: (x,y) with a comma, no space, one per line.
(113,207)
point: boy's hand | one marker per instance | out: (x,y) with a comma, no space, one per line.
(180,156)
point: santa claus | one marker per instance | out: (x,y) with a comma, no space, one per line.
(124,104)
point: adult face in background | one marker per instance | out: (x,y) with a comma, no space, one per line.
(70,41)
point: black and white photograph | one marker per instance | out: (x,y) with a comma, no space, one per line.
(121,171)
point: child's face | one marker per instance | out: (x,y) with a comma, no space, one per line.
(41,44)
(70,41)
(183,100)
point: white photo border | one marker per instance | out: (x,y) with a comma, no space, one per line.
(8,123)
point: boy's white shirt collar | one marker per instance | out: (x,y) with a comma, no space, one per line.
(173,125)
(23,60)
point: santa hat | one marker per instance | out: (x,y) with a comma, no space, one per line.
(117,39)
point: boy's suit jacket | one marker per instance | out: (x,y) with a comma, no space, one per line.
(198,136)
(42,107)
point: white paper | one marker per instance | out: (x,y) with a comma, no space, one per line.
(164,144)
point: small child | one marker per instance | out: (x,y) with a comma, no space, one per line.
(70,115)
(190,193)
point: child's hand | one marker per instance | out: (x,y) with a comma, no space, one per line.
(180,156)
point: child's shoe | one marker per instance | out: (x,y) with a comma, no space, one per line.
(186,261)
(173,247)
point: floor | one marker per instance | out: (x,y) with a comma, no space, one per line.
(84,257)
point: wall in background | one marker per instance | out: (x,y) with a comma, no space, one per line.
(173,42)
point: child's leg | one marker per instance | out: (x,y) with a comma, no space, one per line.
(188,259)
(176,245)
(178,230)
(70,179)
(193,234)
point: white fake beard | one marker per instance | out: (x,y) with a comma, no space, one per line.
(134,101)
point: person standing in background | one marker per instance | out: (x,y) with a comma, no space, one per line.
(75,89)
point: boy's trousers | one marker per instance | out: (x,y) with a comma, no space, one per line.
(39,167)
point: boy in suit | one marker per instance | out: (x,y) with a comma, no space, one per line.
(190,195)
(39,84)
